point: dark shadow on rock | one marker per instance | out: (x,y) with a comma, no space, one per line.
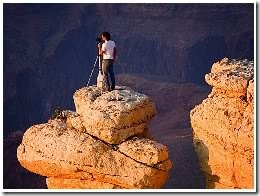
(203,156)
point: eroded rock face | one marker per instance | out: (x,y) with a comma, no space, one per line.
(114,116)
(144,150)
(223,126)
(70,156)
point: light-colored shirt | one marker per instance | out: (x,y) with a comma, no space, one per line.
(108,48)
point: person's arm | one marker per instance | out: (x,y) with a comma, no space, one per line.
(114,54)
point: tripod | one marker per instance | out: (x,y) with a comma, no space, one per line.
(93,69)
(99,64)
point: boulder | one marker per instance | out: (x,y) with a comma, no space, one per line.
(113,116)
(105,144)
(56,151)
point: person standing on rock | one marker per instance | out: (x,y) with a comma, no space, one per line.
(107,50)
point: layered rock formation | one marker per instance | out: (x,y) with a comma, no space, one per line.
(101,145)
(223,126)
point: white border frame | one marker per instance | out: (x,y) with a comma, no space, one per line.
(133,190)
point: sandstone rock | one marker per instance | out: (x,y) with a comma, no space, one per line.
(232,75)
(80,150)
(145,134)
(250,91)
(218,92)
(243,68)
(164,165)
(223,126)
(56,151)
(61,183)
(113,116)
(74,120)
(144,150)
(216,162)
(222,81)
(219,116)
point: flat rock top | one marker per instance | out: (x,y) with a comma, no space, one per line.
(122,98)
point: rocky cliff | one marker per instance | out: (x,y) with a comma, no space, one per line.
(223,126)
(104,144)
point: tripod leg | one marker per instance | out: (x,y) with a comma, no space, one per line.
(92,70)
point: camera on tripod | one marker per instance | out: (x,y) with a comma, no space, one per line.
(99,40)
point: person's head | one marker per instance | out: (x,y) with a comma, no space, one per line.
(105,36)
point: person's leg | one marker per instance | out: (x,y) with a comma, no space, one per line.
(112,75)
(105,70)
